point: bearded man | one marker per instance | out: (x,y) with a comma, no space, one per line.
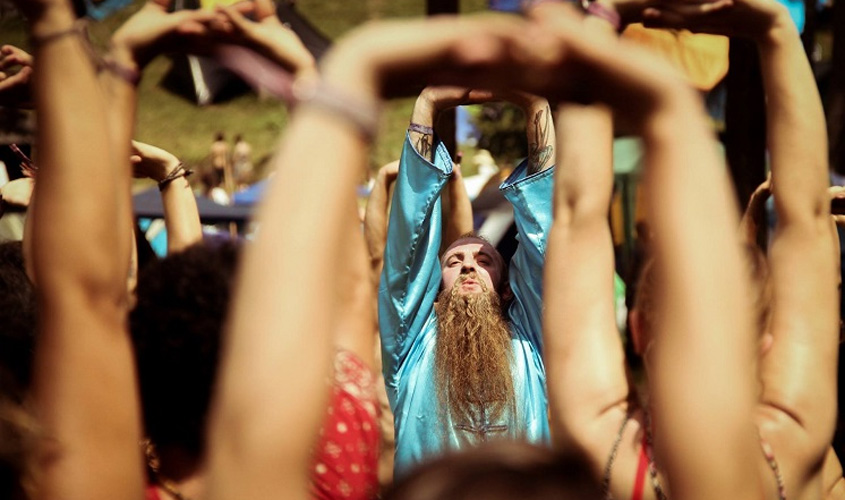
(461,334)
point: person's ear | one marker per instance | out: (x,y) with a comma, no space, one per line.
(507,293)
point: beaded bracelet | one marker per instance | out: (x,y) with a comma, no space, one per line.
(79,28)
(76,29)
(363,115)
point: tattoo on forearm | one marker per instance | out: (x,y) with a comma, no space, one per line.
(539,152)
(423,145)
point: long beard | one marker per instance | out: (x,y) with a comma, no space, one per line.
(473,356)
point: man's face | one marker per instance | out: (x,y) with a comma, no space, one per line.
(474,263)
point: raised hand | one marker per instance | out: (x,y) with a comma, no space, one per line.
(14,88)
(266,34)
(151,162)
(153,30)
(14,56)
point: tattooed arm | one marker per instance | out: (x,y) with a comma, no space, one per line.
(539,130)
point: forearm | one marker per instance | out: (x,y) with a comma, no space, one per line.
(76,157)
(804,266)
(584,355)
(540,133)
(121,103)
(181,216)
(375,223)
(797,137)
(411,274)
(84,386)
(459,220)
(421,130)
(356,327)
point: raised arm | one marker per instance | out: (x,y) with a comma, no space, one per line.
(375,218)
(799,372)
(181,217)
(284,312)
(588,388)
(704,337)
(355,328)
(529,190)
(84,384)
(539,130)
(267,35)
(459,218)
(15,88)
(702,303)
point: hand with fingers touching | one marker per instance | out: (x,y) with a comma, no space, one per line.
(153,30)
(14,56)
(15,86)
(265,34)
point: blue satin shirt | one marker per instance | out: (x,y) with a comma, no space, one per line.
(409,286)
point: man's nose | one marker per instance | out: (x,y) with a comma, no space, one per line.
(467,266)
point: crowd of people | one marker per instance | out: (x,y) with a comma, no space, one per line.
(405,357)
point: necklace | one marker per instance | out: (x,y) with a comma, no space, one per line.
(154,465)
(652,468)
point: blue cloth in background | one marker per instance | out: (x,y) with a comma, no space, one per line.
(796,10)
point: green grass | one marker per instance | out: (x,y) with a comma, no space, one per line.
(176,124)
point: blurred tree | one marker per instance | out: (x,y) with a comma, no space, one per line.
(502,131)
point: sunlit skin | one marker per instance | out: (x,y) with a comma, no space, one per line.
(468,255)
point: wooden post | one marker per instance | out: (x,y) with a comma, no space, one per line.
(446,128)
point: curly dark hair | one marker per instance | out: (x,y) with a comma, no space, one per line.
(17,346)
(500,470)
(18,317)
(176,327)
